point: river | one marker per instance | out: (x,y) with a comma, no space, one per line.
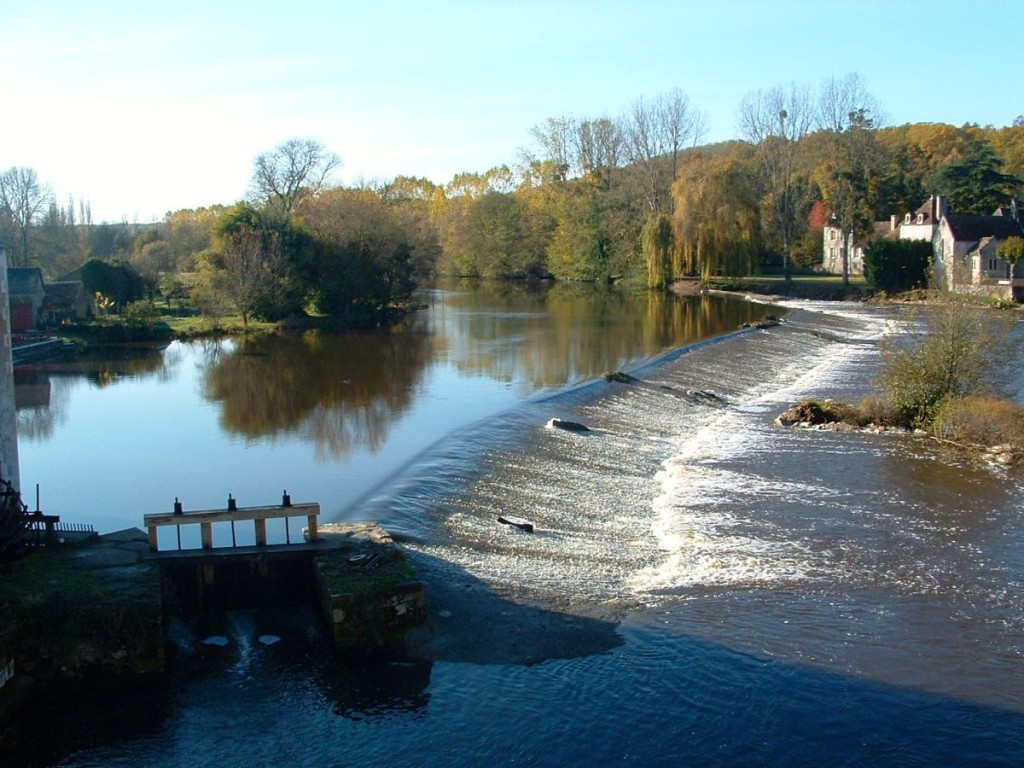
(703,588)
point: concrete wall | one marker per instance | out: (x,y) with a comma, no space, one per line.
(9,469)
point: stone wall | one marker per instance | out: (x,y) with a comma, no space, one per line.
(369,592)
(9,469)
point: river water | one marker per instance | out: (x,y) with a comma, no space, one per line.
(703,588)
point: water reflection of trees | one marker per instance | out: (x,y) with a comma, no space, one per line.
(42,391)
(550,335)
(41,407)
(342,391)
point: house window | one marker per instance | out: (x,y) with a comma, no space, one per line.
(920,218)
(992,263)
(831,234)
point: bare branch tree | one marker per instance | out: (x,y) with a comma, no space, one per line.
(23,202)
(775,121)
(554,137)
(848,114)
(597,146)
(654,134)
(282,176)
(251,264)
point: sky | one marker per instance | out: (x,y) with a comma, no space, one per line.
(141,108)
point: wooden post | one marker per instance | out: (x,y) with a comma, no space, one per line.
(207,533)
(311,532)
(261,532)
(153,546)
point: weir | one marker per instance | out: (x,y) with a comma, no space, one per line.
(202,582)
(363,586)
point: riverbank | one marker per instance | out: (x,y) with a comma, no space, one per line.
(79,614)
(806,287)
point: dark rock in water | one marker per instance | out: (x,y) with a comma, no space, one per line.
(517,522)
(569,426)
(767,322)
(707,398)
(620,377)
(809,413)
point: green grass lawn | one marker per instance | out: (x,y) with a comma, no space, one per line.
(822,287)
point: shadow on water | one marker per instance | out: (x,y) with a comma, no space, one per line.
(727,707)
(245,667)
(70,718)
(651,694)
(471,621)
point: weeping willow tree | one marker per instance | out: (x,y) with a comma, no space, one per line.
(717,218)
(656,243)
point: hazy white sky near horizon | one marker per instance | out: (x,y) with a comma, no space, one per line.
(142,108)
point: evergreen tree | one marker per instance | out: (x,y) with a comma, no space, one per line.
(974,182)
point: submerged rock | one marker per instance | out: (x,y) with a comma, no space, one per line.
(569,426)
(705,397)
(767,322)
(620,377)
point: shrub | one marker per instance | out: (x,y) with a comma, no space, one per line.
(141,314)
(950,357)
(881,412)
(975,420)
(897,265)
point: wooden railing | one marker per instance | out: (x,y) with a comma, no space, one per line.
(233,514)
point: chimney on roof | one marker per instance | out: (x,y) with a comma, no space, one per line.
(1014,209)
(940,207)
(892,222)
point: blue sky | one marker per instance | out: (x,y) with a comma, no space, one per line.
(141,108)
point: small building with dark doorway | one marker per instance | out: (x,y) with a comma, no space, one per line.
(27,294)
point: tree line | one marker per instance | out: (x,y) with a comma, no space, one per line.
(635,196)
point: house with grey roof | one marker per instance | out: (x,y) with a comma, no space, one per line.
(923,223)
(966,257)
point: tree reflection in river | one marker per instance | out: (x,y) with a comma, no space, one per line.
(344,391)
(556,334)
(340,390)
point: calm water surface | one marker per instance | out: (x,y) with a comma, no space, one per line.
(325,417)
(763,596)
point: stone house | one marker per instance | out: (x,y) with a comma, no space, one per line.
(966,258)
(965,247)
(832,244)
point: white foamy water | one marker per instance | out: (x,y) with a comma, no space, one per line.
(709,517)
(877,555)
(646,503)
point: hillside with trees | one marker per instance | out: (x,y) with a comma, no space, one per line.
(635,197)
